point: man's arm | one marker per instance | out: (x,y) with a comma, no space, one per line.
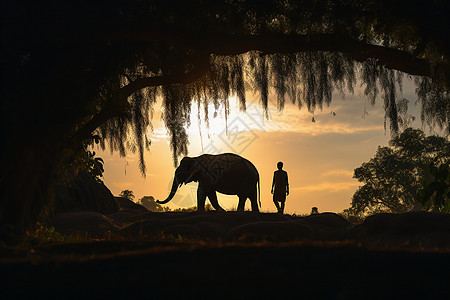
(273,183)
(287,184)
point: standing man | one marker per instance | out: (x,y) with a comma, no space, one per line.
(280,187)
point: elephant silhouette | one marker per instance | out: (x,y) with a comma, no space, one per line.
(226,173)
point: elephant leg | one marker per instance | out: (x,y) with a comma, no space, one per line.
(201,198)
(254,201)
(241,205)
(213,199)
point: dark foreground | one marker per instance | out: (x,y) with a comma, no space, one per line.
(351,263)
(236,272)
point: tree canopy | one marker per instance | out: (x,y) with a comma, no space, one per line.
(72,71)
(394,178)
(127,194)
(149,203)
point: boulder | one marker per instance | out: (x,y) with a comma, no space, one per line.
(129,212)
(411,229)
(127,204)
(83,223)
(327,226)
(271,231)
(84,193)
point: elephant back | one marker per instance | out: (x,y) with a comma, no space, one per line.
(228,169)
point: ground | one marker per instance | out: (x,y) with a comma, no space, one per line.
(238,255)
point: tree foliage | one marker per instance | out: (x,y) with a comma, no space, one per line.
(83,161)
(149,203)
(394,177)
(127,194)
(435,192)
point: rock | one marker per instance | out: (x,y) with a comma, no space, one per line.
(271,231)
(210,229)
(244,226)
(83,223)
(327,226)
(127,204)
(182,230)
(412,229)
(84,194)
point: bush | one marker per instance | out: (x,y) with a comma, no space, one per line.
(44,234)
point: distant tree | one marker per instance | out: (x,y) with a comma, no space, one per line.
(394,176)
(352,216)
(150,203)
(127,194)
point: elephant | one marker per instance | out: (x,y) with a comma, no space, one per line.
(226,173)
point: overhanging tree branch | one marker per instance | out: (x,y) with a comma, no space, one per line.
(117,104)
(360,51)
(266,44)
(281,43)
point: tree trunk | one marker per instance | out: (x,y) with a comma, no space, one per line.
(27,175)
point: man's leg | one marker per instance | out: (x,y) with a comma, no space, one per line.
(277,205)
(282,207)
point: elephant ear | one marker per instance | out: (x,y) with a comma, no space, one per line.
(195,167)
(192,174)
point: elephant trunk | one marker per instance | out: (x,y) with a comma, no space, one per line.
(175,185)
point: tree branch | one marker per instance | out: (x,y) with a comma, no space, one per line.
(360,51)
(118,102)
(267,44)
(179,78)
(282,43)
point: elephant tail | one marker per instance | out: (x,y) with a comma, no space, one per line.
(259,187)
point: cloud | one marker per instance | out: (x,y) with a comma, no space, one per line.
(347,118)
(341,117)
(327,186)
(159,132)
(337,173)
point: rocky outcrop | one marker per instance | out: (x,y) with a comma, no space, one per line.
(84,223)
(127,204)
(128,212)
(419,230)
(242,226)
(411,229)
(84,194)
(88,208)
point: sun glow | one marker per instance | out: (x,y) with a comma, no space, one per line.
(218,122)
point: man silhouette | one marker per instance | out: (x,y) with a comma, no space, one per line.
(280,187)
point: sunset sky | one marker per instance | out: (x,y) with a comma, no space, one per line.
(319,156)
